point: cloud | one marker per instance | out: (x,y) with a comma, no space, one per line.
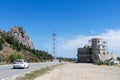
(112,37)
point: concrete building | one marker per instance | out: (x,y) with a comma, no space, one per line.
(84,54)
(96,51)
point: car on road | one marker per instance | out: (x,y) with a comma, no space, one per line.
(20,63)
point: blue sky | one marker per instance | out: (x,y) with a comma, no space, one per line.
(75,22)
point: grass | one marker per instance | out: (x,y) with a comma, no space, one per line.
(37,73)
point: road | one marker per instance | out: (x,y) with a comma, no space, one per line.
(7,71)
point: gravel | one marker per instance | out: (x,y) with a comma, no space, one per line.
(81,71)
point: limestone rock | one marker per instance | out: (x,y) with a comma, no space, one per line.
(19,34)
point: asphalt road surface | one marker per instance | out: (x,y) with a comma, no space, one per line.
(7,71)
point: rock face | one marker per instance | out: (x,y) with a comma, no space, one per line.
(19,34)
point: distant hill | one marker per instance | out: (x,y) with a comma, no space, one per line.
(16,44)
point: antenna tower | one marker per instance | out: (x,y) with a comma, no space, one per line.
(54,45)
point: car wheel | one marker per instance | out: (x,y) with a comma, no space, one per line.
(13,67)
(28,66)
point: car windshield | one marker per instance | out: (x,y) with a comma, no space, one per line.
(18,60)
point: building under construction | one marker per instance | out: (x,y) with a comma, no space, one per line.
(96,51)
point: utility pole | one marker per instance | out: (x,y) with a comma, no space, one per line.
(54,44)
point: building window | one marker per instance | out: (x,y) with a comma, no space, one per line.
(104,53)
(103,46)
(98,41)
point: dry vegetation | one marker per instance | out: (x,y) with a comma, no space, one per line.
(37,73)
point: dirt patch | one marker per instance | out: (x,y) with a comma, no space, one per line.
(78,71)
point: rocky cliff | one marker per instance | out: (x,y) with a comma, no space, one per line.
(19,34)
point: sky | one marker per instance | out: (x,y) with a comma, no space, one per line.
(74,21)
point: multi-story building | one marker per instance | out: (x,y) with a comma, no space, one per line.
(96,51)
(84,54)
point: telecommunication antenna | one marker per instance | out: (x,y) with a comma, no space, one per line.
(54,45)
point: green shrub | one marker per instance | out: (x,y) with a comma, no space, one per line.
(13,57)
(17,46)
(99,62)
(2,41)
(1,46)
(9,39)
(118,58)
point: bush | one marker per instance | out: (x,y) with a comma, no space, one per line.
(1,43)
(1,46)
(17,46)
(1,40)
(99,62)
(13,57)
(118,58)
(9,39)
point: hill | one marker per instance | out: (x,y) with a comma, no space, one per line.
(16,44)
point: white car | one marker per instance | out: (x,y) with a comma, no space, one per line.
(20,63)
